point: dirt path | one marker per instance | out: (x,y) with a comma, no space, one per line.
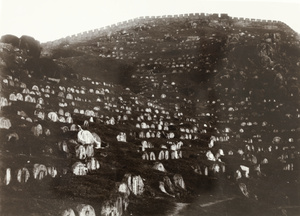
(216,202)
(181,207)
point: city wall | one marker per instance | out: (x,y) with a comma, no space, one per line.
(88,35)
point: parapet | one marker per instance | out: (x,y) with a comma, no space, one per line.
(87,35)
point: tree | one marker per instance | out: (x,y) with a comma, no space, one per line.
(10,39)
(30,45)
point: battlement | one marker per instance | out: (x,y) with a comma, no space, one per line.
(88,35)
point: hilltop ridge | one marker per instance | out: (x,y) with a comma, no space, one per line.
(223,19)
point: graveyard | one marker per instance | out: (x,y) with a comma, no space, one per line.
(139,117)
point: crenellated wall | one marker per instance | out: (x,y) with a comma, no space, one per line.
(87,35)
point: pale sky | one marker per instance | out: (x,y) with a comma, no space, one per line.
(48,20)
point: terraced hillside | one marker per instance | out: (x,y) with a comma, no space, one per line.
(138,119)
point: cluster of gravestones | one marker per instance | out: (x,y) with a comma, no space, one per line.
(83,151)
(81,210)
(37,172)
(172,189)
(115,206)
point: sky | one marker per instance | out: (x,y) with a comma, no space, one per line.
(48,20)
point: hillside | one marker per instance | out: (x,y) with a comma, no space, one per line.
(144,116)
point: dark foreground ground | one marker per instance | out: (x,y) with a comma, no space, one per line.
(235,206)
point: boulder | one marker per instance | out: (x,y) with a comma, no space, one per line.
(162,188)
(159,166)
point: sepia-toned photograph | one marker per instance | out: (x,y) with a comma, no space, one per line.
(149,108)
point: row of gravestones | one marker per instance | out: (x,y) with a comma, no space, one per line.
(40,171)
(115,206)
(162,155)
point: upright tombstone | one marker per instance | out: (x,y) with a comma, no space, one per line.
(53,116)
(79,168)
(124,189)
(170,187)
(109,209)
(3,102)
(63,146)
(80,152)
(52,171)
(4,123)
(85,210)
(7,177)
(166,155)
(145,156)
(134,183)
(121,137)
(127,179)
(39,171)
(137,185)
(93,164)
(210,156)
(152,156)
(68,212)
(37,130)
(23,175)
(89,150)
(161,155)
